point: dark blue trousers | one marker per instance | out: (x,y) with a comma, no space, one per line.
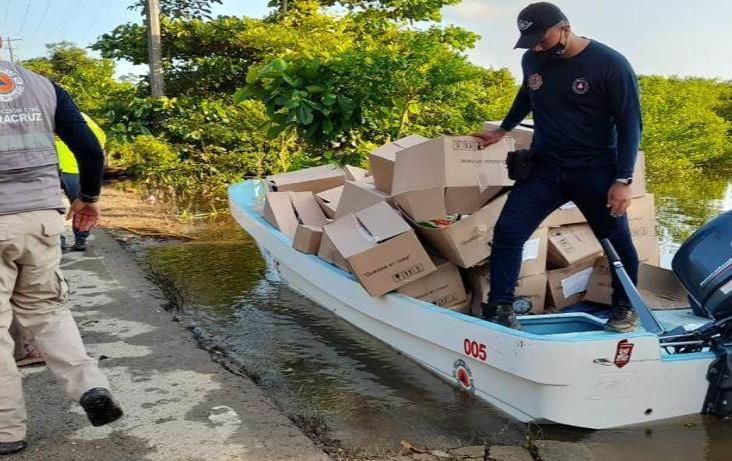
(72,188)
(532,200)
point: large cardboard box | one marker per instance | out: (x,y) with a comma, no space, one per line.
(380,247)
(328,252)
(533,258)
(642,217)
(571,244)
(354,173)
(638,188)
(568,285)
(358,195)
(307,239)
(520,136)
(329,199)
(566,214)
(531,287)
(443,287)
(659,287)
(449,175)
(285,210)
(468,241)
(314,179)
(463,307)
(383,158)
(648,250)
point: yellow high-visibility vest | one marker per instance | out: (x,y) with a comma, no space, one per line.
(66,159)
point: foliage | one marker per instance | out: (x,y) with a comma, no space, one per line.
(683,129)
(413,10)
(184,9)
(90,81)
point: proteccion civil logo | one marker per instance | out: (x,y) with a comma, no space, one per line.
(11,85)
(580,86)
(535,82)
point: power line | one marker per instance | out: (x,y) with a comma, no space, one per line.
(79,10)
(43,16)
(25,17)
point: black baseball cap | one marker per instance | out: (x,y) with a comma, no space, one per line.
(534,20)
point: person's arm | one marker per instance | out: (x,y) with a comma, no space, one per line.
(625,107)
(521,106)
(74,131)
(519,110)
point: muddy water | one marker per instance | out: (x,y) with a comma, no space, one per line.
(352,390)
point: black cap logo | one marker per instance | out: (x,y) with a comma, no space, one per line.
(523,24)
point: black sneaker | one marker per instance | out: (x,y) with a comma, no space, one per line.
(501,314)
(622,319)
(78,246)
(100,407)
(8,448)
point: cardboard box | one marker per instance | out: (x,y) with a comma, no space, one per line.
(571,244)
(533,258)
(463,307)
(520,136)
(380,248)
(564,215)
(382,160)
(448,175)
(285,210)
(468,241)
(354,173)
(307,239)
(531,287)
(328,200)
(658,286)
(316,179)
(648,250)
(638,188)
(328,252)
(642,217)
(358,195)
(443,287)
(568,285)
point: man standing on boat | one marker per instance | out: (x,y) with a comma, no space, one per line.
(587,127)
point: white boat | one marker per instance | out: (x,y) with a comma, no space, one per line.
(560,368)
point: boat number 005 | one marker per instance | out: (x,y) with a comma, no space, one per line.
(474,349)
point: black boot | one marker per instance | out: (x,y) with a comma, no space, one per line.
(79,245)
(501,314)
(100,407)
(8,448)
(623,318)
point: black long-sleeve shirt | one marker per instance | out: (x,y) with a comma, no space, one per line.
(586,109)
(74,131)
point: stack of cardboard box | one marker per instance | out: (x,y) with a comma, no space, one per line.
(421,222)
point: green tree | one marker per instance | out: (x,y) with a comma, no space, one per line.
(90,81)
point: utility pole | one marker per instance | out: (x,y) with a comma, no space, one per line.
(10,41)
(154,47)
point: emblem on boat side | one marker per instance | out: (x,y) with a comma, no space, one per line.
(623,353)
(462,374)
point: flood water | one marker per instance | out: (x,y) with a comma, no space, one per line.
(350,388)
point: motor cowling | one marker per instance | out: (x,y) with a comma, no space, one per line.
(703,265)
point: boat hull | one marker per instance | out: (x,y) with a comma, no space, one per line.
(562,369)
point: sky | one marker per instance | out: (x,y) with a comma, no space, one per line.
(666,37)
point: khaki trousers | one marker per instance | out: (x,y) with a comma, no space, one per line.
(32,287)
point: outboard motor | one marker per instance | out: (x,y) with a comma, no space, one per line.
(703,265)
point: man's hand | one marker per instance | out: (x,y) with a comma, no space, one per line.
(84,215)
(489,137)
(618,199)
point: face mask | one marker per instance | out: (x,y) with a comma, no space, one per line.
(554,52)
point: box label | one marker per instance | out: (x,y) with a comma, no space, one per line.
(531,250)
(460,144)
(576,283)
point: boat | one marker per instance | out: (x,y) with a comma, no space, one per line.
(559,368)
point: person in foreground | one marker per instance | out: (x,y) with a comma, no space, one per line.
(32,109)
(587,127)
